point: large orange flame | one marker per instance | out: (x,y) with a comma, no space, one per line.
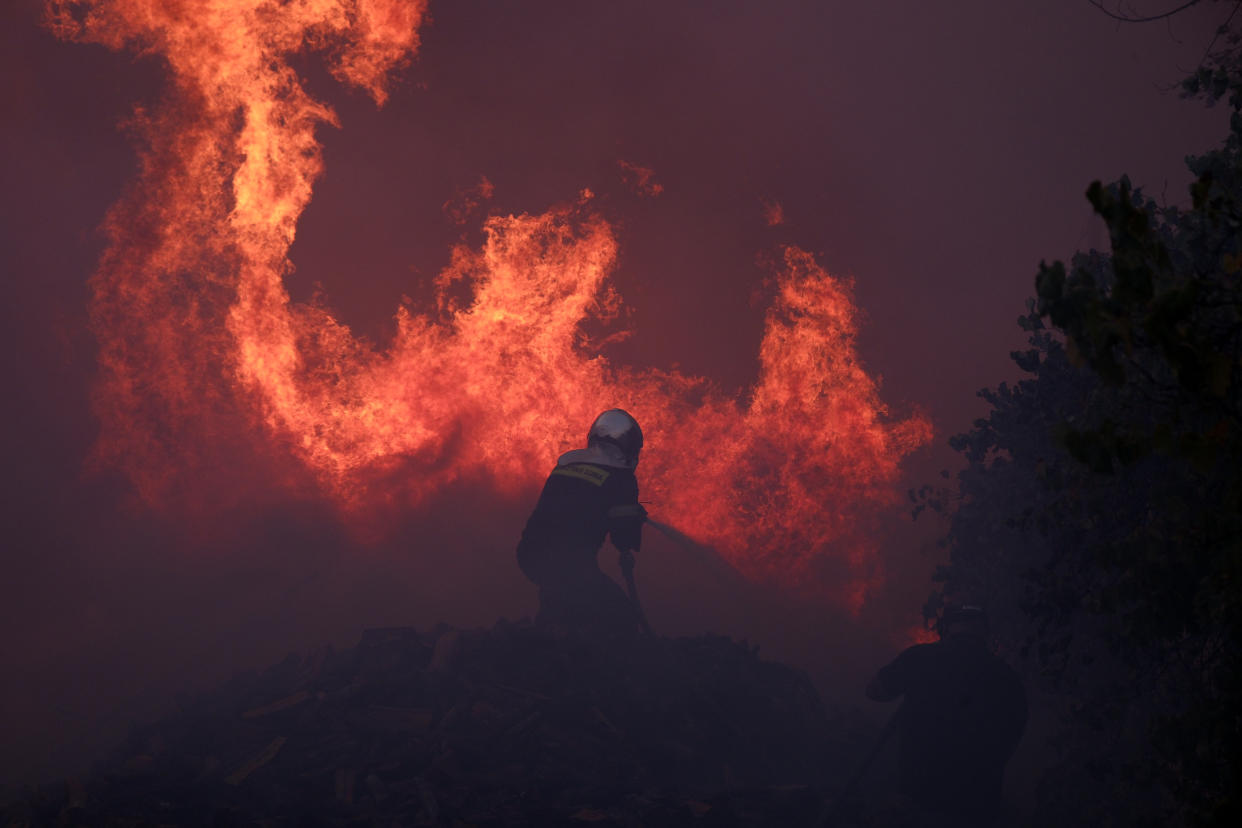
(201,346)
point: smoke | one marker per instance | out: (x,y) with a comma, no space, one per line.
(265,478)
(121,617)
(208,368)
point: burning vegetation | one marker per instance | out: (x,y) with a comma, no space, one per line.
(202,349)
(215,388)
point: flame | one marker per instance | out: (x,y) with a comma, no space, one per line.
(640,179)
(773,212)
(460,208)
(916,634)
(201,346)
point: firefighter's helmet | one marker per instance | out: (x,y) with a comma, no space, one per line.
(618,428)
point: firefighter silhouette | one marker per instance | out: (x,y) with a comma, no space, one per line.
(592,494)
(963,713)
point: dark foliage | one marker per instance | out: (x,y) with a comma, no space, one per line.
(1100,513)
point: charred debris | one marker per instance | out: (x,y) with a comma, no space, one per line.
(512,725)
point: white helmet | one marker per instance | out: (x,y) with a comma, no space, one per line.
(618,428)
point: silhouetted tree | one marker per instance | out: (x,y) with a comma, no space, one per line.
(1099,516)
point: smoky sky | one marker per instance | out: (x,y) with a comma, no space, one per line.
(934,153)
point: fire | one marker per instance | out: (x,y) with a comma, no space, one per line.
(200,344)
(773,212)
(640,179)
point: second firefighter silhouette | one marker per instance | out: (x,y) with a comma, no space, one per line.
(963,715)
(591,494)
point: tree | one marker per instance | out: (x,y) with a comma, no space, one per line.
(1100,511)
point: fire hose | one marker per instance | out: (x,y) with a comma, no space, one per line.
(704,553)
(678,537)
(627,569)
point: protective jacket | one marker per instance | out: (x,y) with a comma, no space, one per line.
(590,496)
(586,499)
(963,715)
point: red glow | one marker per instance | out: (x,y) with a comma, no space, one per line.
(918,634)
(640,179)
(773,212)
(201,345)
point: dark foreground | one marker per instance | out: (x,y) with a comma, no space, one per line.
(513,725)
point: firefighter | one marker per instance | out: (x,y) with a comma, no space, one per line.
(963,714)
(591,494)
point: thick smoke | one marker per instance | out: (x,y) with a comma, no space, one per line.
(207,535)
(207,365)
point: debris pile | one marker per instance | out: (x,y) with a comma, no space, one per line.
(513,725)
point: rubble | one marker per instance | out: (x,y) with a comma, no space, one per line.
(509,726)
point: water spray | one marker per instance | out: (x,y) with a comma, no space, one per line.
(699,551)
